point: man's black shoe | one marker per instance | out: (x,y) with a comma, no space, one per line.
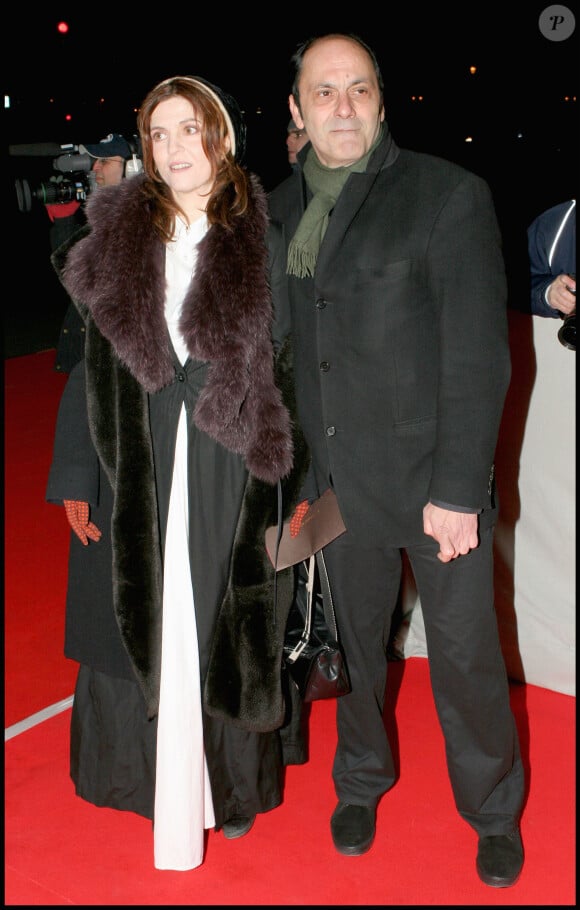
(500,858)
(352,828)
(237,826)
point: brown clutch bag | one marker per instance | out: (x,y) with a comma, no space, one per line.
(321,524)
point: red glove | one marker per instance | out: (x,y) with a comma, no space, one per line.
(298,517)
(78,518)
(61,209)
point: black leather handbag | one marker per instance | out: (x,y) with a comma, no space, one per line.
(312,654)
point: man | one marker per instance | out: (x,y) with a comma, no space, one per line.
(295,140)
(398,302)
(552,253)
(112,157)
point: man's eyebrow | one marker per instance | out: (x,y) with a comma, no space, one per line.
(358,80)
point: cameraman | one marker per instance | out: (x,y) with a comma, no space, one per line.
(552,254)
(109,168)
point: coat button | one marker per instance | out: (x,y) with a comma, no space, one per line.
(325,366)
(331,431)
(181,377)
(320,303)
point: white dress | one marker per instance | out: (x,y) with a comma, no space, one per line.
(183,801)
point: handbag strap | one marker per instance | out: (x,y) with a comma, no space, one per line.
(327,602)
(304,637)
(278,539)
(317,559)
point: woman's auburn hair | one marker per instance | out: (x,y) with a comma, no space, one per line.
(229,197)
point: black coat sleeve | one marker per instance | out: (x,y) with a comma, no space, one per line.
(278,284)
(74,471)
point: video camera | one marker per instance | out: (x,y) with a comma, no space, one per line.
(74,178)
(74,181)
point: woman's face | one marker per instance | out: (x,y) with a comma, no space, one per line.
(178,152)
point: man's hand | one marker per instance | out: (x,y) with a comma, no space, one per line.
(560,294)
(455,532)
(78,518)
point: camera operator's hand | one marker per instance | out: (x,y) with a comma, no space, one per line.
(78,518)
(61,209)
(561,294)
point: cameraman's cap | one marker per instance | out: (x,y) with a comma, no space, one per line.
(112,146)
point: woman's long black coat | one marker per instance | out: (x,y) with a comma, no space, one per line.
(132,383)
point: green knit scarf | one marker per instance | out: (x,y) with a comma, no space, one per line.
(325,183)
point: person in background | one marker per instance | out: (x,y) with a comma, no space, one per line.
(110,159)
(552,254)
(175,424)
(398,293)
(111,155)
(295,140)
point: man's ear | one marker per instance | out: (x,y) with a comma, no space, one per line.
(295,112)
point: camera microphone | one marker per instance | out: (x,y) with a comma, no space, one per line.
(67,163)
(39,149)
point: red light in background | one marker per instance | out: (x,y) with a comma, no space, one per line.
(62,28)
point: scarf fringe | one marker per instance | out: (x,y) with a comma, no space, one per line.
(301,262)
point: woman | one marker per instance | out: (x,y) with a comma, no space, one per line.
(175,426)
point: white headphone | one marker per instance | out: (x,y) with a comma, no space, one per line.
(133,165)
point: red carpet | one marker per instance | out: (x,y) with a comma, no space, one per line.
(35,544)
(61,851)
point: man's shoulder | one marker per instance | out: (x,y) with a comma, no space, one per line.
(425,179)
(283,193)
(59,255)
(553,216)
(428,163)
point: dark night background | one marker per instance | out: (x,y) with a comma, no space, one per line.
(525,132)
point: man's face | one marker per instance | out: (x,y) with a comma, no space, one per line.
(341,106)
(295,140)
(108,171)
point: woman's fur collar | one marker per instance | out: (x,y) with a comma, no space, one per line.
(116,274)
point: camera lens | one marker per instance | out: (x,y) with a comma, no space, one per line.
(23,195)
(567,332)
